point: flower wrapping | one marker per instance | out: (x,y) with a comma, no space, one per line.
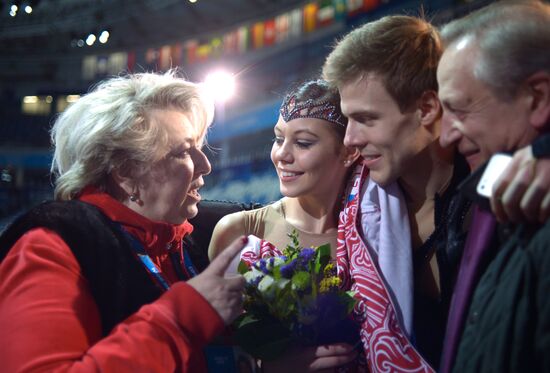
(294,298)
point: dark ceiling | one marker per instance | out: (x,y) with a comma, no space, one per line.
(53,24)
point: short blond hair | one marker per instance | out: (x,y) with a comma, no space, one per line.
(111,128)
(403,50)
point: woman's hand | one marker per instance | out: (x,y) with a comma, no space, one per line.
(225,295)
(312,359)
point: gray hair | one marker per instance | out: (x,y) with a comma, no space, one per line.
(111,128)
(513,40)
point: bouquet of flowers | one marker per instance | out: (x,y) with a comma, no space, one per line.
(294,298)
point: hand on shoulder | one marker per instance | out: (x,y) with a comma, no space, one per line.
(522,193)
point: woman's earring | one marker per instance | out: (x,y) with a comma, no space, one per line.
(134,196)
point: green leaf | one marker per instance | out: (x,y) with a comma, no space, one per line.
(322,258)
(349,300)
(243,267)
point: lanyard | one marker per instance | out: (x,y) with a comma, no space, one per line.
(153,269)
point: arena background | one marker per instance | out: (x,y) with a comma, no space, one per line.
(47,59)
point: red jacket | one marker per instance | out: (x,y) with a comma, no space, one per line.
(49,321)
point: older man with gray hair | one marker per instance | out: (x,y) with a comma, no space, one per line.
(494,86)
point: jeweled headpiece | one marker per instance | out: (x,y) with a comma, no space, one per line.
(311,109)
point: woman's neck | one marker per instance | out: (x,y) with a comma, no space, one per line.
(310,215)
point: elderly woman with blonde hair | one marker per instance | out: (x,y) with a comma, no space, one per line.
(98,280)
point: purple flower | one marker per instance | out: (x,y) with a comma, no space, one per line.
(262,265)
(306,254)
(287,270)
(304,257)
(255,281)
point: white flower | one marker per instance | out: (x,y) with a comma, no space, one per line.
(282,283)
(266,287)
(273,262)
(252,276)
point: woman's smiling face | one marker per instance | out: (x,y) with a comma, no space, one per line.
(308,156)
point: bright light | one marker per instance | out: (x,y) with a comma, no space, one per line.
(28,9)
(90,40)
(104,36)
(30,99)
(14,8)
(220,85)
(49,99)
(193,1)
(73,98)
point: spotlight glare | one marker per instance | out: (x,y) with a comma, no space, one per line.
(28,9)
(192,1)
(14,8)
(90,40)
(220,85)
(104,36)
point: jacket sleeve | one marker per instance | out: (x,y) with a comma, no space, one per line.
(542,330)
(49,320)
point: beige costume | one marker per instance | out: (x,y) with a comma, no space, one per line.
(268,223)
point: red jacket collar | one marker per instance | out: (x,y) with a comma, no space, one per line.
(154,234)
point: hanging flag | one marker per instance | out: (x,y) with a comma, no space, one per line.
(191,51)
(310,17)
(354,6)
(175,54)
(131,61)
(370,4)
(230,42)
(216,47)
(326,13)
(165,58)
(269,32)
(151,59)
(244,39)
(204,51)
(282,25)
(339,10)
(295,24)
(258,35)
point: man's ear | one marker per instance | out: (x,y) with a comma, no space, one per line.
(428,108)
(538,91)
(350,155)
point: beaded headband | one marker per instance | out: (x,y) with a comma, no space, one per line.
(311,109)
